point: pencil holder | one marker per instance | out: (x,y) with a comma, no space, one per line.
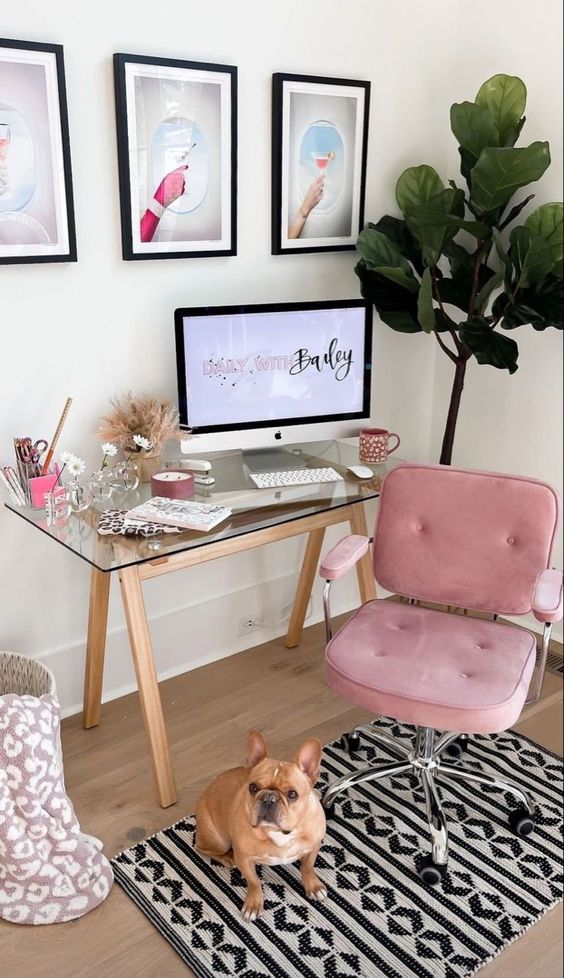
(38,487)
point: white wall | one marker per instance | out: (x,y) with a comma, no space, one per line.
(512,423)
(103,325)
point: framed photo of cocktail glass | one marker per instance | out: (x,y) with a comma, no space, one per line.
(177,150)
(319,142)
(36,201)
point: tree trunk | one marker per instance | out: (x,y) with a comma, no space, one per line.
(454,406)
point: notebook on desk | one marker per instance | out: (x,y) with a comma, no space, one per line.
(180,512)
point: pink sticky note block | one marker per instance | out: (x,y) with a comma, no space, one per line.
(40,486)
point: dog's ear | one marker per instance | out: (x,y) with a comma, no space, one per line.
(256,748)
(308,758)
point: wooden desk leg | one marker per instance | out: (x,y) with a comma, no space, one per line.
(305,585)
(95,647)
(143,660)
(364,568)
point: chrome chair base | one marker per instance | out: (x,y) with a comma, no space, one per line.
(425,760)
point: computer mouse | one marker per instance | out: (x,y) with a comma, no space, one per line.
(362,471)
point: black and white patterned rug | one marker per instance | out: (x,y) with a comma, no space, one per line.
(380,920)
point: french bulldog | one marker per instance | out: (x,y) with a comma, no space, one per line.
(265,813)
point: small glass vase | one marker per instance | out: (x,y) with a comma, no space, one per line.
(80,495)
(125,475)
(102,485)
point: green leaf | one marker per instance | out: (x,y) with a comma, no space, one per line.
(485,292)
(467,163)
(417,185)
(455,292)
(540,307)
(460,260)
(505,98)
(515,211)
(530,255)
(548,301)
(397,231)
(473,127)
(500,172)
(548,222)
(436,222)
(384,256)
(378,251)
(400,276)
(396,306)
(443,323)
(488,346)
(425,309)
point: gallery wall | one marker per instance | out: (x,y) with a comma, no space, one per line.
(102,325)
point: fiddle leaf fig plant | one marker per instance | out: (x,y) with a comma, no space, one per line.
(455,264)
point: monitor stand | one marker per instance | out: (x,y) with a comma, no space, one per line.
(272,460)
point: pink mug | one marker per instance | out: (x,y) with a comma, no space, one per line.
(374,445)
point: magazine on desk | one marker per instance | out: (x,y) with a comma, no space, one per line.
(180,512)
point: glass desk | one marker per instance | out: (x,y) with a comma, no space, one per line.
(259,516)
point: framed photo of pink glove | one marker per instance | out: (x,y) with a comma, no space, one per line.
(177,151)
(319,138)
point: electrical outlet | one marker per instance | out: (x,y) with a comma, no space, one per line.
(247,624)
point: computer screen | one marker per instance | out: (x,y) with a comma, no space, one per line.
(263,365)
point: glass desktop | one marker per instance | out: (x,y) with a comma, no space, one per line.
(252,509)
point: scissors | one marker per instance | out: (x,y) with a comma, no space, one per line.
(31,452)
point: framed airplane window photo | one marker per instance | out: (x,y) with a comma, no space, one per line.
(36,199)
(177,147)
(319,139)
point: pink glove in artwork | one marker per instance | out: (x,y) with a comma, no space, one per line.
(170,189)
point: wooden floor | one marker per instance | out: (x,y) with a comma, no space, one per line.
(208,713)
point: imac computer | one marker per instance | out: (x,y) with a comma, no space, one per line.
(258,377)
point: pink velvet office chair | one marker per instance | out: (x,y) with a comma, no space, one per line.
(473,540)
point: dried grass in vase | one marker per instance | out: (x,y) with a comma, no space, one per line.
(140,423)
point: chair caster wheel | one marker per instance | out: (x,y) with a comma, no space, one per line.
(429,872)
(521,822)
(350,742)
(456,748)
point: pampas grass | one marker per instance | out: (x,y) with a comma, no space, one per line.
(154,418)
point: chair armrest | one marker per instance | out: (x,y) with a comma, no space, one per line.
(343,556)
(547,597)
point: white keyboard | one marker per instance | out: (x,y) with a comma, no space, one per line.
(294,477)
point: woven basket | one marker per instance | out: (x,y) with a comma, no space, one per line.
(24,676)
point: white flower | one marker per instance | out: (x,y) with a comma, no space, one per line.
(142,442)
(108,448)
(75,466)
(65,457)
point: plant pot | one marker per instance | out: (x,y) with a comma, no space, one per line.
(51,871)
(148,466)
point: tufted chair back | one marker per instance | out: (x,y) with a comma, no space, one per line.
(459,537)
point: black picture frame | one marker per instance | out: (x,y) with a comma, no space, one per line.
(131,250)
(283,86)
(59,161)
